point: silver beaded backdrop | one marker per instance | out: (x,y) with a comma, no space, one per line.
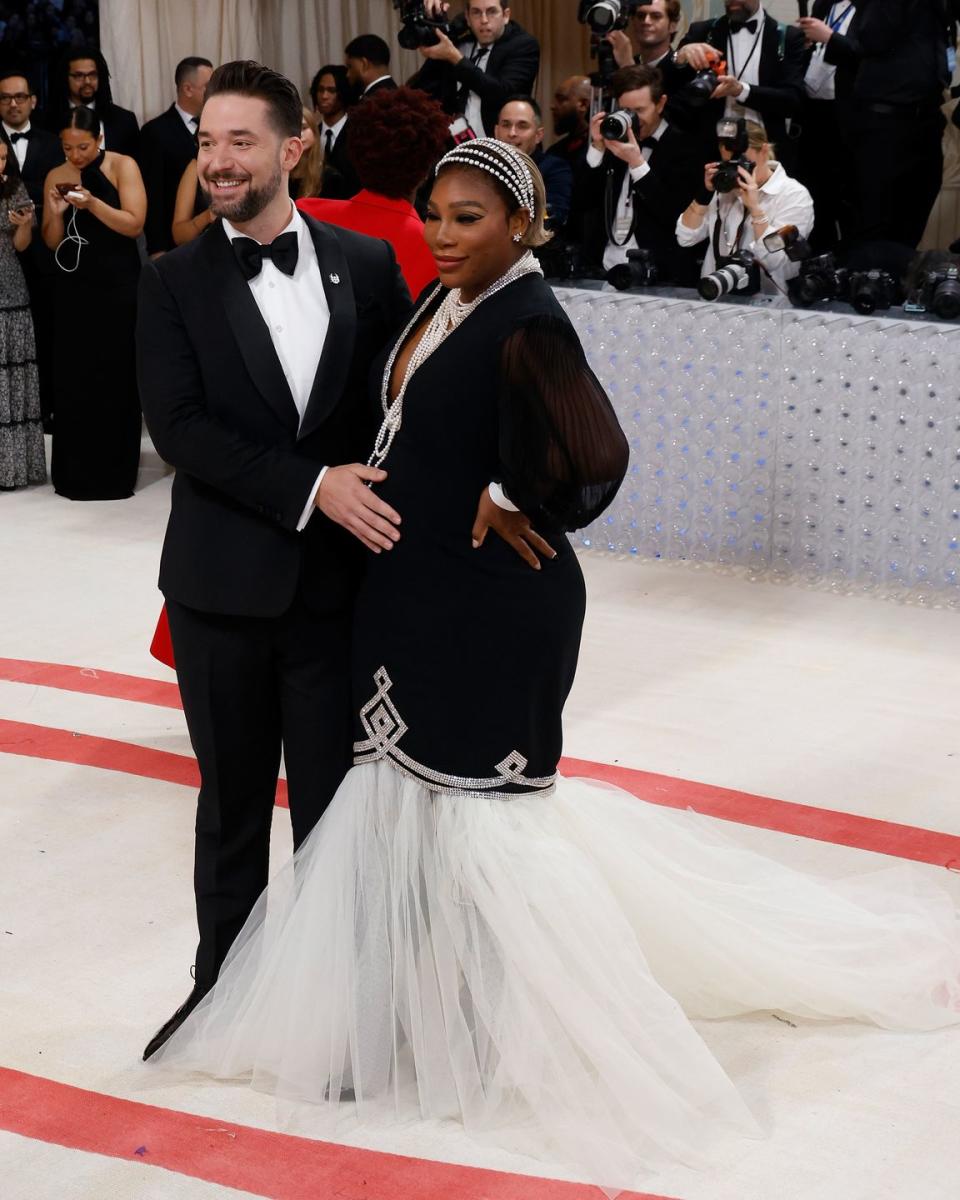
(801,444)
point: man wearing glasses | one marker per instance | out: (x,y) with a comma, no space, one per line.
(86,81)
(473,74)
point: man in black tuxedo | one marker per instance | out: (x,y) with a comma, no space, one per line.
(254,343)
(764,77)
(83,77)
(824,166)
(37,152)
(648,42)
(167,144)
(488,59)
(367,60)
(330,92)
(640,186)
(896,123)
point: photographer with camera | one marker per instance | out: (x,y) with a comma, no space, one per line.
(745,64)
(472,70)
(647,41)
(896,124)
(745,196)
(641,172)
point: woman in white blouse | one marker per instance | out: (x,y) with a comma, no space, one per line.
(766,200)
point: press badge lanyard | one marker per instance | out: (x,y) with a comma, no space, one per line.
(730,55)
(836,22)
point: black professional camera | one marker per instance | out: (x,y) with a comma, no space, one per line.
(640,270)
(869,290)
(616,127)
(417,27)
(603,16)
(700,88)
(933,285)
(562,260)
(738,273)
(820,279)
(733,136)
(790,241)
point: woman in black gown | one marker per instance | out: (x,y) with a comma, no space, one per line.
(93,230)
(464,934)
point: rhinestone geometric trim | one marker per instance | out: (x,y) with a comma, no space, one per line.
(384,728)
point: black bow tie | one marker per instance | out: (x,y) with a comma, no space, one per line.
(250,254)
(650,141)
(19,137)
(750,26)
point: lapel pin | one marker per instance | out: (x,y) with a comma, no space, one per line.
(334,277)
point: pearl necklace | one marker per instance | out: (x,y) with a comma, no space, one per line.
(450,315)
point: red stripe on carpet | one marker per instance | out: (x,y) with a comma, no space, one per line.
(252,1160)
(91,682)
(63,745)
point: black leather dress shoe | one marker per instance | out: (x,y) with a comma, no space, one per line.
(168,1029)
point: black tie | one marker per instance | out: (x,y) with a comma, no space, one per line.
(19,137)
(750,26)
(250,254)
(328,143)
(650,141)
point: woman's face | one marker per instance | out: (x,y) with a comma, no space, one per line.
(469,231)
(80,147)
(307,136)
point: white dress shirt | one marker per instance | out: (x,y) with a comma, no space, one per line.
(188,119)
(784,201)
(20,147)
(819,79)
(477,56)
(616,252)
(743,61)
(334,130)
(295,311)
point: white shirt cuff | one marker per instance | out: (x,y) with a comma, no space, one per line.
(499,497)
(744,95)
(310,505)
(594,156)
(638,172)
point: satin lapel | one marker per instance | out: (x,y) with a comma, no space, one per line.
(249,329)
(337,353)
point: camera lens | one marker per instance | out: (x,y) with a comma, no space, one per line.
(728,279)
(616,127)
(603,16)
(946,299)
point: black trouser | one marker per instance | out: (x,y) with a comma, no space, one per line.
(252,686)
(824,168)
(898,163)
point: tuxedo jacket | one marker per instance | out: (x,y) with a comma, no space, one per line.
(842,51)
(511,69)
(676,170)
(120,129)
(340,179)
(778,93)
(382,85)
(219,410)
(43,154)
(166,146)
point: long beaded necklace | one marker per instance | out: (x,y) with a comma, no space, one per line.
(449,316)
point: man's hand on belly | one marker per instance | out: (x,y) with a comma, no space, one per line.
(345,497)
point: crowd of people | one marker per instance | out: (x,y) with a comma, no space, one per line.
(676,160)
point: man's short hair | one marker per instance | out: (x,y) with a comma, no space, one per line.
(521,98)
(631,79)
(14,73)
(248,78)
(672,8)
(186,67)
(374,49)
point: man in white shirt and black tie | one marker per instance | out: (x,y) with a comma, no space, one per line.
(330,92)
(254,348)
(167,144)
(765,63)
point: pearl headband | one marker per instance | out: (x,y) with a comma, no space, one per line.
(501,160)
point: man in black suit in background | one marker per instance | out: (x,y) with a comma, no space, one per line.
(648,42)
(83,77)
(488,59)
(167,144)
(765,66)
(254,346)
(367,60)
(330,92)
(37,152)
(639,187)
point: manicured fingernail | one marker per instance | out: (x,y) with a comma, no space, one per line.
(475,544)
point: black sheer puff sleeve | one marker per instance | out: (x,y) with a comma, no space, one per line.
(563,454)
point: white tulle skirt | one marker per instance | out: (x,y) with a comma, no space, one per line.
(529,967)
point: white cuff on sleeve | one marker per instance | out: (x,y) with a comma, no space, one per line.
(745,94)
(594,156)
(499,497)
(637,173)
(309,506)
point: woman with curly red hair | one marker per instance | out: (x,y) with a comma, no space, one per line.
(395,137)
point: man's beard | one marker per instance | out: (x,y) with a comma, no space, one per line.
(246,206)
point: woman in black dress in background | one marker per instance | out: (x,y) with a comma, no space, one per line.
(93,230)
(464,934)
